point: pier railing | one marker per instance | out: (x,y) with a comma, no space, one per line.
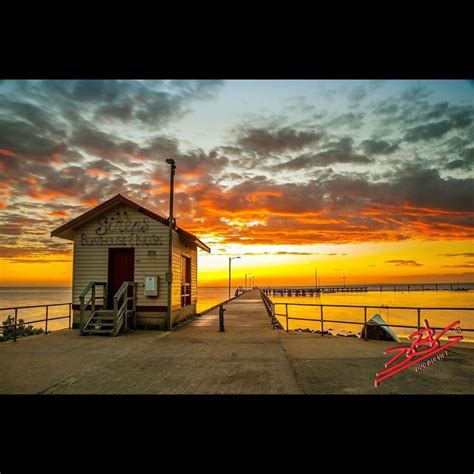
(47,318)
(270,307)
(312,290)
(323,320)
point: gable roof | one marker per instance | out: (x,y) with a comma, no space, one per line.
(66,231)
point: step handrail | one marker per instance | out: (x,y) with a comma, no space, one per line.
(121,313)
(91,287)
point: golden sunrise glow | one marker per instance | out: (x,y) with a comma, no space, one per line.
(368,180)
(414,261)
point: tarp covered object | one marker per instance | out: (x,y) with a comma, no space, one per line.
(375,331)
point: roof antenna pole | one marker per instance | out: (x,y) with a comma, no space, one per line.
(169,276)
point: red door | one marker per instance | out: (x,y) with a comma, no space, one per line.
(121,268)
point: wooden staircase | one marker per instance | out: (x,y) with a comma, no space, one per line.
(108,321)
(101,322)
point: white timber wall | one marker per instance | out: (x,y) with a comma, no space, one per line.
(90,262)
(181,248)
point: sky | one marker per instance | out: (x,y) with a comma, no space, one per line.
(368,180)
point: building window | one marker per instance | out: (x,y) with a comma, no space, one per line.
(185,281)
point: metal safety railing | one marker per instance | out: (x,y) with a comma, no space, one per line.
(323,320)
(270,307)
(45,320)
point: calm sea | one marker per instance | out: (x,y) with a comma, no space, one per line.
(207,297)
(438,318)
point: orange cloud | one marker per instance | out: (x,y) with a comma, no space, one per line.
(48,194)
(267,216)
(5,152)
(4,192)
(97,172)
(30,179)
(89,202)
(59,213)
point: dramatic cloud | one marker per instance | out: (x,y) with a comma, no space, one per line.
(404,263)
(378,147)
(266,141)
(381,168)
(465,162)
(466,254)
(429,131)
(460,265)
(322,159)
(456,117)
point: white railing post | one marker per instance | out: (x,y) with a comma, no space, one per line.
(125,301)
(115,312)
(93,299)
(81,316)
(135,287)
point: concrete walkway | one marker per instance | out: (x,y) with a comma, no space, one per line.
(248,358)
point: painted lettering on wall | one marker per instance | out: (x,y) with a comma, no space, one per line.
(120,222)
(132,239)
(119,229)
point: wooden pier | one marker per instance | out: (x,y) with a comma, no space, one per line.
(311,291)
(316,291)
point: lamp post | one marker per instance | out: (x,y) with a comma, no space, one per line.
(247,278)
(230,270)
(169,276)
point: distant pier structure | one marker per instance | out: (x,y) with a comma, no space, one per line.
(315,291)
(311,291)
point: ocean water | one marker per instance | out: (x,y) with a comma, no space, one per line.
(210,296)
(436,318)
(29,296)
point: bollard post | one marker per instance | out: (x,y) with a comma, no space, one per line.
(365,323)
(419,318)
(322,321)
(46,324)
(14,327)
(286,314)
(221,318)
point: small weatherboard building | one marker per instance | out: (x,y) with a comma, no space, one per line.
(120,268)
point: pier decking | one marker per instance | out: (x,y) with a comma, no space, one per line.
(248,358)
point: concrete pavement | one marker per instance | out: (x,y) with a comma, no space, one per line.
(248,358)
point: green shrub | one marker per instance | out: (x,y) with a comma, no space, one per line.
(22,330)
